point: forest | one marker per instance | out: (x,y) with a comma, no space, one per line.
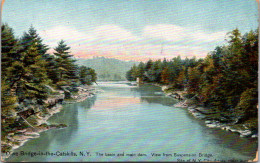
(30,74)
(225,80)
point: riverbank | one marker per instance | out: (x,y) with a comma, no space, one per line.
(36,121)
(212,118)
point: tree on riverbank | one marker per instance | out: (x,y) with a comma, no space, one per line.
(29,75)
(66,67)
(226,79)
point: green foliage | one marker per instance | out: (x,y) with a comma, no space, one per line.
(8,106)
(248,102)
(194,75)
(31,37)
(87,75)
(10,48)
(28,75)
(225,80)
(27,70)
(66,69)
(129,76)
(61,83)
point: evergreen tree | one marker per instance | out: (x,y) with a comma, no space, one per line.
(87,75)
(148,65)
(129,76)
(32,37)
(67,68)
(165,76)
(28,76)
(140,70)
(10,48)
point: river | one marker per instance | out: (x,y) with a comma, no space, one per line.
(137,121)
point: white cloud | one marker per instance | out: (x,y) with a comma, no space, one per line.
(55,34)
(164,31)
(114,41)
(113,32)
(176,33)
(208,37)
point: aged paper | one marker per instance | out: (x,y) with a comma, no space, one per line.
(119,80)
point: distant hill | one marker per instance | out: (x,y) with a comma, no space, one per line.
(108,68)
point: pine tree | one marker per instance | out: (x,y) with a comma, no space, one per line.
(28,76)
(67,70)
(165,75)
(32,37)
(10,48)
(148,65)
(129,76)
(140,70)
(194,80)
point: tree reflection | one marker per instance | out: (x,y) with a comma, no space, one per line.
(53,139)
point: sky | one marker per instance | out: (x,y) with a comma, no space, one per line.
(133,29)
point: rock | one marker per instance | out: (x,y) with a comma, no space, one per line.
(208,122)
(31,134)
(21,131)
(226,128)
(211,125)
(245,133)
(164,87)
(58,126)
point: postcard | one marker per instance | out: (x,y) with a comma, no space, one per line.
(129,80)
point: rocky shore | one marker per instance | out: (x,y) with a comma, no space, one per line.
(212,118)
(83,93)
(36,119)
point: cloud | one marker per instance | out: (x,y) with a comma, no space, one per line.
(69,34)
(208,37)
(164,31)
(176,33)
(113,32)
(117,42)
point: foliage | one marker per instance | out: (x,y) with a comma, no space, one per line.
(225,80)
(8,105)
(87,75)
(27,72)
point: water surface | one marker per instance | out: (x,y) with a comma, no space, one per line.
(133,120)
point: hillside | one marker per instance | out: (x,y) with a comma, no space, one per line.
(108,68)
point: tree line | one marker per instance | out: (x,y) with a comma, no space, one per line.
(225,80)
(28,70)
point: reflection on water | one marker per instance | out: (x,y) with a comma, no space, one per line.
(115,102)
(133,119)
(159,100)
(55,137)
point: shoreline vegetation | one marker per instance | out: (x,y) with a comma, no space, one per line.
(35,84)
(17,138)
(211,117)
(221,88)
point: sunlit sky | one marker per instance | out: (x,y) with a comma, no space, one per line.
(133,29)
